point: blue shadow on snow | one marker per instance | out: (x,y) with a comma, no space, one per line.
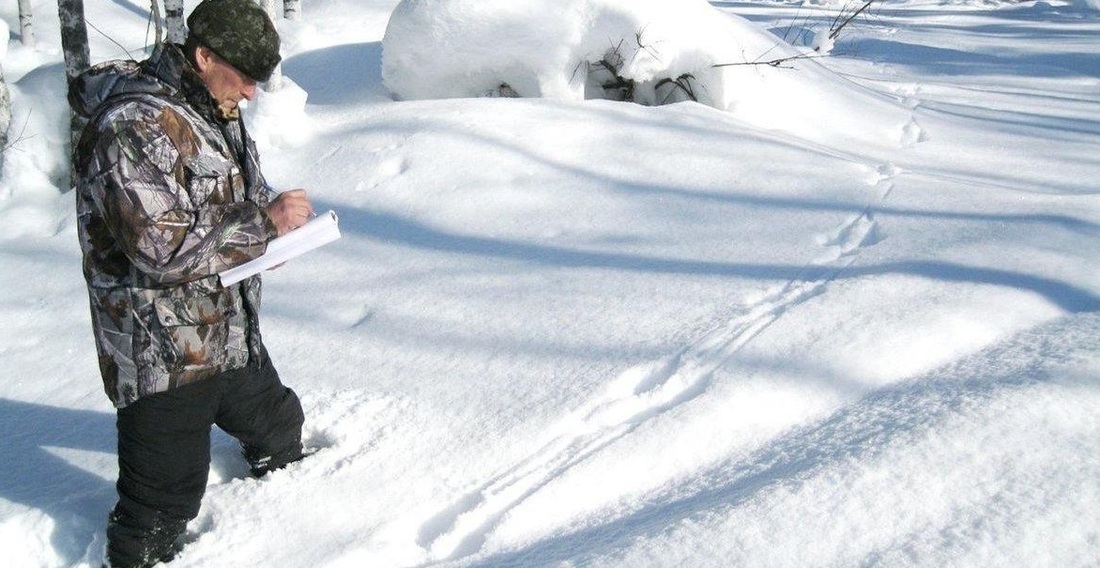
(75,499)
(856,437)
(393,229)
(340,74)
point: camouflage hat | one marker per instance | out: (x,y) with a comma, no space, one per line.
(240,32)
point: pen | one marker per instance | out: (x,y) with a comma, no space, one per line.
(271,191)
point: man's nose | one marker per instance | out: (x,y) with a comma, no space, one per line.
(249,90)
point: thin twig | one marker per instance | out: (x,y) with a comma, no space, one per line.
(772,62)
(684,84)
(91,25)
(12,143)
(835,32)
(651,52)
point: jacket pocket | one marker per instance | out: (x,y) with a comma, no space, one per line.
(212,180)
(193,332)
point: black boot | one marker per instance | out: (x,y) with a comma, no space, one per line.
(261,464)
(141,541)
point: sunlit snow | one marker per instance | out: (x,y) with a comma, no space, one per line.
(841,311)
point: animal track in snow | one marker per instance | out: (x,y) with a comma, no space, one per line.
(633,398)
(642,393)
(383,171)
(636,396)
(911,134)
(858,232)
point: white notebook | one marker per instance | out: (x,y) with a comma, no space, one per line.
(320,230)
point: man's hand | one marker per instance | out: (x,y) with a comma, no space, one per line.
(290,210)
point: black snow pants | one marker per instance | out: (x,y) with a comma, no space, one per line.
(164,454)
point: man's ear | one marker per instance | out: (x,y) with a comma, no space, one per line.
(204,58)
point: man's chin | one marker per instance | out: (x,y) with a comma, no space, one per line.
(230,111)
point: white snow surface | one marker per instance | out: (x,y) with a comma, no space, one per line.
(848,316)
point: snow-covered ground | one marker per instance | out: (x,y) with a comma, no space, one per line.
(857,326)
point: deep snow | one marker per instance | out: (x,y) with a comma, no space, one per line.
(561,332)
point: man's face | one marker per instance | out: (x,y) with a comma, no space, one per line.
(228,85)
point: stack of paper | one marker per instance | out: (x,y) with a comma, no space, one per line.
(320,230)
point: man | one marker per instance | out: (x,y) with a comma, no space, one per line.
(169,193)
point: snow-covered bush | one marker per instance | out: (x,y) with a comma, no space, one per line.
(647,51)
(570,49)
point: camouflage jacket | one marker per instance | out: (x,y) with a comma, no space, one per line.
(168,194)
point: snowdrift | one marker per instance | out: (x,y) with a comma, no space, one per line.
(648,51)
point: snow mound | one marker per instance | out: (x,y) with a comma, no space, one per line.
(278,119)
(647,51)
(34,171)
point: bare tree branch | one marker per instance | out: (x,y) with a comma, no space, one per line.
(836,30)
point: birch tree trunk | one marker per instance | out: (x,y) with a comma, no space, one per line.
(74,37)
(292,9)
(74,42)
(26,23)
(173,17)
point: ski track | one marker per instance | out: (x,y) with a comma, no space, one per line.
(645,391)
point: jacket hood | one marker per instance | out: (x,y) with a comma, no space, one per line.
(159,75)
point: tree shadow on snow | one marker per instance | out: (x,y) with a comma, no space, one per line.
(390,228)
(35,474)
(340,74)
(1010,24)
(859,433)
(133,9)
(941,62)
